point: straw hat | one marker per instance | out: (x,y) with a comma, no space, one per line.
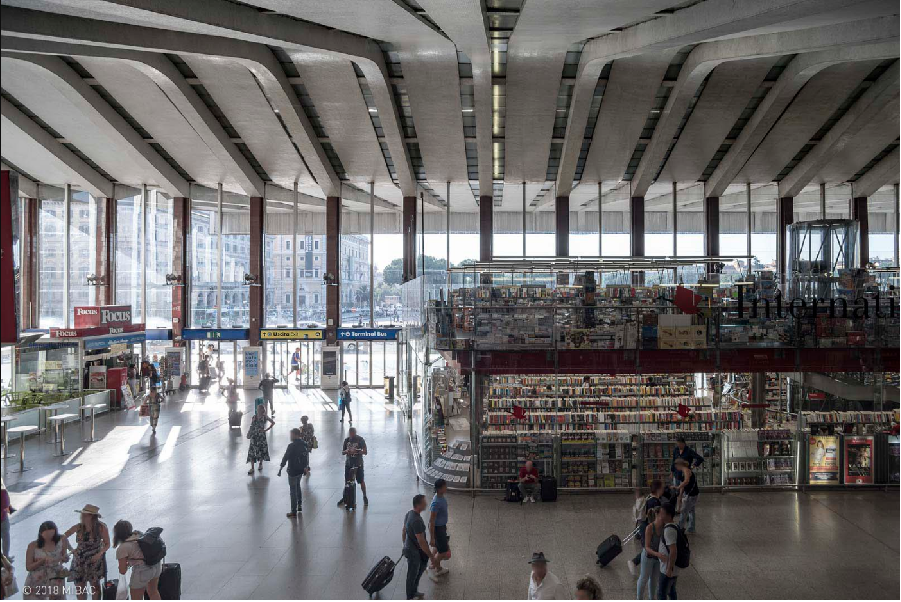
(90,509)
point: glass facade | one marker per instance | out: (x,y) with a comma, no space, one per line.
(51,262)
(355,264)
(235,257)
(84,219)
(158,240)
(203,264)
(130,253)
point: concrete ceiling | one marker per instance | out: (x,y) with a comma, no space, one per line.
(409,47)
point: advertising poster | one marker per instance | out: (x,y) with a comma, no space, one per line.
(253,359)
(859,460)
(893,459)
(97,377)
(823,460)
(173,360)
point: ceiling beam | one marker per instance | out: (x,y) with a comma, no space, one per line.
(884,172)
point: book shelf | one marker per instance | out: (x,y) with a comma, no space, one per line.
(657,455)
(759,457)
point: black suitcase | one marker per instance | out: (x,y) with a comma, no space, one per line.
(110,588)
(234,418)
(350,491)
(609,549)
(170,581)
(513,494)
(548,489)
(380,576)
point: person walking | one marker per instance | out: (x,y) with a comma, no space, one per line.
(344,400)
(650,557)
(544,585)
(416,549)
(92,541)
(295,365)
(297,457)
(4,517)
(644,504)
(259,446)
(308,434)
(153,401)
(682,450)
(438,515)
(267,384)
(587,588)
(667,553)
(688,492)
(144,577)
(44,560)
(354,449)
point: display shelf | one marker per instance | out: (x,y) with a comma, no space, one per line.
(758,457)
(657,455)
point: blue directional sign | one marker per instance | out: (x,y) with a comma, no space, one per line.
(367,334)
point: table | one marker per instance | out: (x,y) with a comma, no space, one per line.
(59,423)
(54,408)
(5,425)
(22,431)
(92,407)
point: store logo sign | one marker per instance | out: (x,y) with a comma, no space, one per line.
(798,307)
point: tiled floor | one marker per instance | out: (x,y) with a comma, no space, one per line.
(230,534)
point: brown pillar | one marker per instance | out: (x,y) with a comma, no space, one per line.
(333,267)
(181,234)
(561,211)
(636,216)
(859,212)
(257,215)
(712,226)
(30,268)
(486,228)
(409,238)
(103,253)
(784,218)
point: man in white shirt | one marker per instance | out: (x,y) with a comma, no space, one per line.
(669,572)
(544,585)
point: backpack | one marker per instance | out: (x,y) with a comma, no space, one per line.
(683,551)
(643,510)
(152,546)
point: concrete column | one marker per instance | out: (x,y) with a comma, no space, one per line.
(636,215)
(712,226)
(758,400)
(784,218)
(10,325)
(410,228)
(104,251)
(255,267)
(181,233)
(562,219)
(486,228)
(859,212)
(333,267)
(30,269)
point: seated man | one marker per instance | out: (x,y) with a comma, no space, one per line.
(528,481)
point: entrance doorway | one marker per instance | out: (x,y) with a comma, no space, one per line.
(228,354)
(278,362)
(366,364)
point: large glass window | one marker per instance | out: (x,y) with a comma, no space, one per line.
(354,264)
(311,268)
(83,224)
(278,264)
(204,266)
(883,223)
(388,259)
(129,253)
(583,234)
(52,262)
(764,202)
(734,231)
(235,263)
(158,259)
(658,228)
(541,238)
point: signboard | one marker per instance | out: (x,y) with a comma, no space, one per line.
(128,400)
(97,377)
(253,360)
(823,463)
(93,331)
(215,334)
(159,334)
(816,395)
(174,357)
(9,257)
(92,316)
(292,334)
(133,338)
(367,334)
(859,460)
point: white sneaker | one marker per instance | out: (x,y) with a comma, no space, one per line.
(433,574)
(532,499)
(632,567)
(442,571)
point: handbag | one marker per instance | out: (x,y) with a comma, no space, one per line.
(10,587)
(315,443)
(122,592)
(144,410)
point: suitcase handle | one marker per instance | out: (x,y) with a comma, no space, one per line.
(632,535)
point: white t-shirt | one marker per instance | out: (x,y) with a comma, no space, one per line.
(550,588)
(670,536)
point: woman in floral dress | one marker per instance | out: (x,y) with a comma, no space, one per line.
(259,447)
(44,562)
(89,563)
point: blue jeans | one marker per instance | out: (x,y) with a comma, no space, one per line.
(416,565)
(687,516)
(296,495)
(649,576)
(666,589)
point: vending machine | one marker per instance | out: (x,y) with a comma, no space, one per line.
(116,378)
(858,465)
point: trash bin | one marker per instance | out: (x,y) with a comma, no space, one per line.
(389,388)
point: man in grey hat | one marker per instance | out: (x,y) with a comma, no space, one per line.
(542,584)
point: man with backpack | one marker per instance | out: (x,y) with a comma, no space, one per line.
(673,552)
(297,457)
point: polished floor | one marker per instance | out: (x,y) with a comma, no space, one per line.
(230,535)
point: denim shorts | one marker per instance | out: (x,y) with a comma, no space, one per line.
(142,574)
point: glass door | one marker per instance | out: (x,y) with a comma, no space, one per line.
(310,363)
(278,362)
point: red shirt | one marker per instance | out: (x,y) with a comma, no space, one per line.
(523,472)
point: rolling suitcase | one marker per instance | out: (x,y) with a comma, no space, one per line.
(110,588)
(234,418)
(548,489)
(350,491)
(380,576)
(611,547)
(170,581)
